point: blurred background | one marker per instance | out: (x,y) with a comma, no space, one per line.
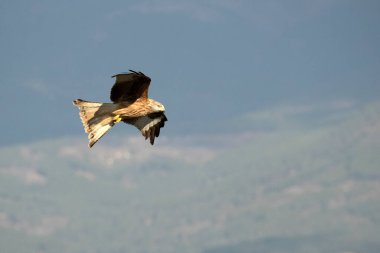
(272,143)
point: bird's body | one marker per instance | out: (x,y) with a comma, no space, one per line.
(130,105)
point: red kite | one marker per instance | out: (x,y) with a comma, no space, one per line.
(130,104)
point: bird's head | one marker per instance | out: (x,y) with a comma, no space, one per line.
(157,106)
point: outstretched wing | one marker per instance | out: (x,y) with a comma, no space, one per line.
(130,86)
(149,125)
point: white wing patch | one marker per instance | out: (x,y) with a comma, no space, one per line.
(149,127)
(151,124)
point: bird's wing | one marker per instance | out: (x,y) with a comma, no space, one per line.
(149,125)
(130,86)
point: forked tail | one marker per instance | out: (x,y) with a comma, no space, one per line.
(97,118)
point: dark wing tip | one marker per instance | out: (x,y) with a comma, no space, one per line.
(157,131)
(129,86)
(130,70)
(154,131)
(150,134)
(115,75)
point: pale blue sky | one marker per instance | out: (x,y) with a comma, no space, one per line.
(210,61)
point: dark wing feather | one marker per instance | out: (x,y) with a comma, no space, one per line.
(130,86)
(149,125)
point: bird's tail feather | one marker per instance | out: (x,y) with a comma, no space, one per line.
(97,118)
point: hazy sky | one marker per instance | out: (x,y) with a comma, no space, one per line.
(210,61)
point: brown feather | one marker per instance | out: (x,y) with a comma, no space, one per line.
(130,87)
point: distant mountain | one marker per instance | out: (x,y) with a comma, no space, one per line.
(290,179)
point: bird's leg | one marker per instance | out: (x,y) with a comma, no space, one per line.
(116,119)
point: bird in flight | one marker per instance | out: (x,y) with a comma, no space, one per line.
(130,104)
